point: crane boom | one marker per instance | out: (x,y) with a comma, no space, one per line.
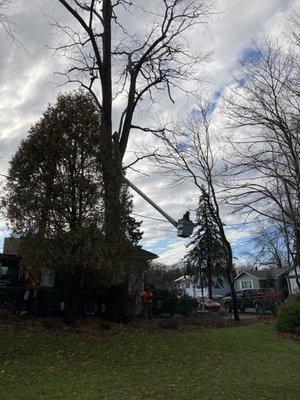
(144,196)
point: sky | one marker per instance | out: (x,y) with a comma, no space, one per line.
(28,83)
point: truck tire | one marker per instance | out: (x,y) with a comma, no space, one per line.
(228,307)
(279,301)
(259,307)
(90,308)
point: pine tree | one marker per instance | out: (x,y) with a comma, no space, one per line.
(130,225)
(206,257)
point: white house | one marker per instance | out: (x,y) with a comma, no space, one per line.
(291,280)
(187,285)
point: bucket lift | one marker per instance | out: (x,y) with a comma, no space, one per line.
(184,225)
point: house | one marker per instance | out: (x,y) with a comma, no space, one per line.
(46,277)
(47,288)
(291,281)
(267,278)
(187,285)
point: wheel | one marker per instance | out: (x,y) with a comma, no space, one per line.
(279,301)
(90,307)
(259,308)
(228,308)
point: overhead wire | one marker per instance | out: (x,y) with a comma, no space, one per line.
(158,229)
(154,219)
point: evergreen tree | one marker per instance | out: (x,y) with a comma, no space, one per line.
(130,225)
(207,255)
(55,198)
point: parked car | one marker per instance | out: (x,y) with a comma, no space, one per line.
(208,305)
(261,300)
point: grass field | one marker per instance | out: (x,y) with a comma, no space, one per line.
(241,363)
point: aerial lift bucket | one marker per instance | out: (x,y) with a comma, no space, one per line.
(185,228)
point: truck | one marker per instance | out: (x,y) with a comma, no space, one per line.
(261,300)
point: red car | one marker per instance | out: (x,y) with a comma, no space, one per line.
(209,305)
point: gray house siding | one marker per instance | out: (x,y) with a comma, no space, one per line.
(274,278)
(222,290)
(252,281)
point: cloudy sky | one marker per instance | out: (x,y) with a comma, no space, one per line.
(28,83)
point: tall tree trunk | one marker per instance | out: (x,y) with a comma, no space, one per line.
(106,79)
(230,279)
(297,256)
(114,235)
(73,295)
(209,278)
(110,157)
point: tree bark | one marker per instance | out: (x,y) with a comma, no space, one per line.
(73,295)
(297,256)
(233,293)
(230,279)
(106,79)
(209,278)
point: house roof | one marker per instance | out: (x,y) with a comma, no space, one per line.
(12,246)
(265,273)
(140,252)
(183,278)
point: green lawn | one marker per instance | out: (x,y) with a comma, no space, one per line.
(229,364)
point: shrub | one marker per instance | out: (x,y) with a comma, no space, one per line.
(293,298)
(186,305)
(288,316)
(220,314)
(170,324)
(51,323)
(4,314)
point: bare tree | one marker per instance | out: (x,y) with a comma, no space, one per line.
(162,277)
(6,22)
(269,247)
(129,63)
(264,111)
(114,61)
(189,155)
(294,29)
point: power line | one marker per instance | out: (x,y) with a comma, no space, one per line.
(245,223)
(154,219)
(242,244)
(175,254)
(158,229)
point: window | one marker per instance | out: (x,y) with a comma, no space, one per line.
(3,271)
(246,285)
(47,277)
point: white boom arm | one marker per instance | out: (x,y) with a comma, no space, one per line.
(144,196)
(184,226)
